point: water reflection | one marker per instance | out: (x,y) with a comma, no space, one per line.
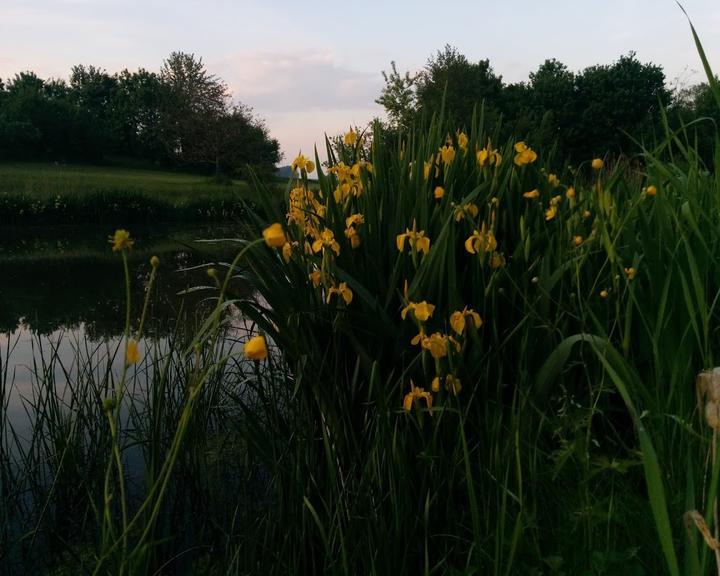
(62,296)
(63,279)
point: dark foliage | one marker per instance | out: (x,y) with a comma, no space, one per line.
(603,109)
(182,116)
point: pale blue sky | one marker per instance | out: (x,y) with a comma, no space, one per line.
(313,67)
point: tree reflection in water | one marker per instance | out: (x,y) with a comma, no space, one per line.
(51,282)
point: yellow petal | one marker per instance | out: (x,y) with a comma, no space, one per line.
(435,385)
(121,240)
(346,293)
(428,398)
(469,244)
(287,251)
(132,354)
(423,244)
(453,385)
(274,235)
(400,240)
(457,322)
(423,311)
(407,402)
(255,348)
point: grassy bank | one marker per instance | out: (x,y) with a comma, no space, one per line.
(61,194)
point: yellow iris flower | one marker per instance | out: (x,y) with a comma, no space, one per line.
(303,164)
(354,220)
(121,240)
(457,319)
(326,240)
(435,384)
(256,348)
(488,156)
(274,235)
(447,154)
(453,384)
(437,344)
(418,338)
(343,291)
(497,260)
(551,212)
(481,241)
(466,210)
(462,141)
(417,240)
(351,224)
(416,393)
(350,138)
(421,310)
(524,155)
(352,235)
(132,354)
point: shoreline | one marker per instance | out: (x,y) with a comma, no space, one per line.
(47,194)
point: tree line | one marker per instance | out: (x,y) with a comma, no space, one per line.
(181,116)
(612,108)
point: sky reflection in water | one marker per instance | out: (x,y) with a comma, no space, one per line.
(62,292)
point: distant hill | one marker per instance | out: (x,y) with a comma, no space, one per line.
(284,172)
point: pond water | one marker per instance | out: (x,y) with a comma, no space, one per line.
(62,297)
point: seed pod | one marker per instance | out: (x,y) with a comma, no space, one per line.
(712,415)
(707,389)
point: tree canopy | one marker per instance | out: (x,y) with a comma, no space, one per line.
(601,109)
(182,116)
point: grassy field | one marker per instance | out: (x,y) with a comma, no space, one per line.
(60,194)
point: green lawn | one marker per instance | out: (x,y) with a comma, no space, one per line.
(46,193)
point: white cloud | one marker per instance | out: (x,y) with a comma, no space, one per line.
(292,82)
(301,95)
